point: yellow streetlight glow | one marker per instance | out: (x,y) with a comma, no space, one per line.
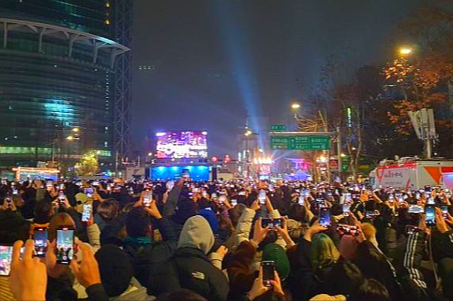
(150,154)
(248,132)
(295,106)
(75,130)
(405,50)
(70,138)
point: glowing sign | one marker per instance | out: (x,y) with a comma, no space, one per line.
(178,144)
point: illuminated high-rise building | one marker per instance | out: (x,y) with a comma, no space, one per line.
(60,62)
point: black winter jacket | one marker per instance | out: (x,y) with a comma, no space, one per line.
(189,268)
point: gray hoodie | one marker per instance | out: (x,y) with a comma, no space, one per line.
(197,233)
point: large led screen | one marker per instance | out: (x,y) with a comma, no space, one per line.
(179,144)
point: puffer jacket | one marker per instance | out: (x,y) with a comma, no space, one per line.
(190,267)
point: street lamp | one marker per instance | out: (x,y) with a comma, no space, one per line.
(75,130)
(248,133)
(295,106)
(404,51)
(70,138)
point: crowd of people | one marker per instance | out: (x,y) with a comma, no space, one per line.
(216,241)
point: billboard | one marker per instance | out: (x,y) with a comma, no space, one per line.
(181,144)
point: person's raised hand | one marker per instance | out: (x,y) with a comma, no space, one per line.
(283,232)
(222,251)
(28,279)
(314,229)
(66,203)
(87,272)
(139,203)
(90,222)
(8,203)
(153,210)
(256,205)
(449,219)
(269,206)
(54,270)
(258,287)
(277,284)
(422,224)
(440,221)
(259,233)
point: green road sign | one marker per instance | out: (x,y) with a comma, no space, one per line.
(300,142)
(278,128)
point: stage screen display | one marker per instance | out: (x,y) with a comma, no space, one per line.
(181,144)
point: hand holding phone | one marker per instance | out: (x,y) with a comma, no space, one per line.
(301,200)
(147,198)
(40,238)
(86,215)
(28,276)
(430,215)
(271,223)
(6,254)
(262,197)
(65,245)
(268,272)
(222,198)
(324,217)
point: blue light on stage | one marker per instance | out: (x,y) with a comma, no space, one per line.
(196,172)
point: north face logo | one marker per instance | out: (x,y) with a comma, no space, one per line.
(198,275)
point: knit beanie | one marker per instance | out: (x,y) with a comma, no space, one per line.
(116,269)
(274,252)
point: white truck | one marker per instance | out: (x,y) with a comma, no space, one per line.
(407,174)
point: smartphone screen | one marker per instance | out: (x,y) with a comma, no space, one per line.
(268,272)
(444,210)
(86,215)
(61,196)
(170,185)
(262,197)
(415,209)
(65,245)
(346,209)
(6,255)
(301,200)
(271,223)
(347,197)
(430,212)
(89,192)
(147,198)
(222,199)
(391,198)
(324,217)
(40,238)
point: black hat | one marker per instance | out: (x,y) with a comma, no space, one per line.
(116,269)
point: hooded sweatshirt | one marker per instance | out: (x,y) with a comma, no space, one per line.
(190,267)
(196,233)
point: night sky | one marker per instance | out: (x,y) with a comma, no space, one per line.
(208,62)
